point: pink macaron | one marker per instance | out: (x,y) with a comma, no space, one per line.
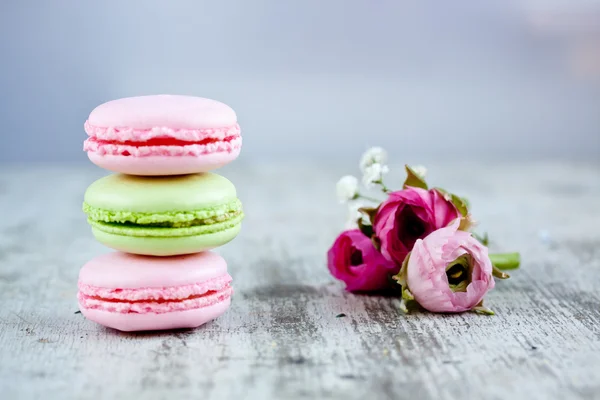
(162,135)
(139,293)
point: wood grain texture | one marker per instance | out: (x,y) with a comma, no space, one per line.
(281,338)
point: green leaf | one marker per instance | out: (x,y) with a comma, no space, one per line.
(400,277)
(366,229)
(461,203)
(413,179)
(403,307)
(481,309)
(376,242)
(466,202)
(506,261)
(370,212)
(393,284)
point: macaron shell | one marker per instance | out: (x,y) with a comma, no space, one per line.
(166,246)
(130,271)
(172,111)
(163,165)
(150,321)
(120,192)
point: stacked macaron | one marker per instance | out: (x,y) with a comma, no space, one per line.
(162,210)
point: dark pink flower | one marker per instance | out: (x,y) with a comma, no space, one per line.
(354,260)
(408,215)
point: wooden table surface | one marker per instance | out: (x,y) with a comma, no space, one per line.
(281,338)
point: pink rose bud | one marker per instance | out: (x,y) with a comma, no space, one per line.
(354,260)
(449,271)
(408,215)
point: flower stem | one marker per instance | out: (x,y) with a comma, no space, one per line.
(384,188)
(361,196)
(505,261)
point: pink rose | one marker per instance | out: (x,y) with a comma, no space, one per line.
(354,260)
(449,271)
(408,215)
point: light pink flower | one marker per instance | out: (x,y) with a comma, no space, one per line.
(354,260)
(408,215)
(430,280)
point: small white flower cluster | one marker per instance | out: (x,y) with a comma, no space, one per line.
(373,174)
(374,155)
(347,188)
(373,165)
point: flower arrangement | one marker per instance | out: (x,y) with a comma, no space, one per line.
(418,241)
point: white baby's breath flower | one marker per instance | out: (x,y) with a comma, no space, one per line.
(347,188)
(419,170)
(353,215)
(374,155)
(374,174)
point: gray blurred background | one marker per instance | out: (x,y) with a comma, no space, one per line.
(511,79)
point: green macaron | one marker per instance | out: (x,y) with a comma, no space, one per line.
(163,215)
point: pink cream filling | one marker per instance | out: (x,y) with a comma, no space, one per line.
(170,148)
(161,141)
(155,300)
(125,134)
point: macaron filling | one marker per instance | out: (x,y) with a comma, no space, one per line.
(175,148)
(155,300)
(166,224)
(161,141)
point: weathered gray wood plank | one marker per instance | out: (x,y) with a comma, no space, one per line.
(281,337)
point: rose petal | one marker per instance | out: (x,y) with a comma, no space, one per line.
(371,275)
(395,220)
(426,270)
